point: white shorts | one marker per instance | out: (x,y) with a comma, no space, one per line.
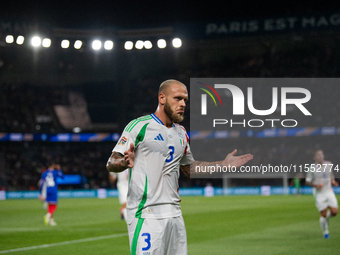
(158,236)
(325,200)
(122,194)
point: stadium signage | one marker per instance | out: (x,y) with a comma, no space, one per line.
(291,23)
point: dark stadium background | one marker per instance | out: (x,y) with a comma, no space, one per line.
(120,85)
(87,14)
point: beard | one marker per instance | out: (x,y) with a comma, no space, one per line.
(171,114)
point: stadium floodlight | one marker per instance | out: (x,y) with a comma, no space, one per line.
(78,44)
(9,39)
(36,41)
(139,44)
(76,130)
(177,42)
(96,45)
(20,39)
(46,42)
(65,44)
(108,45)
(161,43)
(128,45)
(147,45)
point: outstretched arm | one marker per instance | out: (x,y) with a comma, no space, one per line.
(231,160)
(119,162)
(187,169)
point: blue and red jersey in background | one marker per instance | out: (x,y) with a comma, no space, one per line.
(49,185)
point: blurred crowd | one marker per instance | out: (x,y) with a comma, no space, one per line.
(24,162)
(26,108)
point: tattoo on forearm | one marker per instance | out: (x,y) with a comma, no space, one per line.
(116,163)
(186,170)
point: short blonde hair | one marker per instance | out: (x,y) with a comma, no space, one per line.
(163,88)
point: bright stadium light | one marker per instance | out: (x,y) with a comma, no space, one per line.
(96,45)
(177,42)
(65,44)
(128,45)
(36,41)
(147,45)
(20,39)
(9,39)
(46,42)
(76,130)
(108,45)
(78,44)
(139,44)
(161,43)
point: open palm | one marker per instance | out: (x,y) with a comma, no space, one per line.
(236,161)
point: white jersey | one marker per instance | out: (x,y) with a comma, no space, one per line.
(122,178)
(159,152)
(321,174)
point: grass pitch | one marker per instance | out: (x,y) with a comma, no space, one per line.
(218,225)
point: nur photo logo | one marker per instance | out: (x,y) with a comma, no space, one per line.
(204,97)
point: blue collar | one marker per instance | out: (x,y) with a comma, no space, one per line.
(158,120)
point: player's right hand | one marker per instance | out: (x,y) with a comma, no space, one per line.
(129,156)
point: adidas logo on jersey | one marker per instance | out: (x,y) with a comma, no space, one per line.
(159,138)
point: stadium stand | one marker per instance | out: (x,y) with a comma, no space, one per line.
(31,108)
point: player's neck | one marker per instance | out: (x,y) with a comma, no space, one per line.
(164,118)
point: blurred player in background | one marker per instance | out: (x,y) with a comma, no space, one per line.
(122,179)
(155,148)
(42,196)
(321,178)
(296,182)
(49,191)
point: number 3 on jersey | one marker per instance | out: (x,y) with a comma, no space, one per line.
(171,154)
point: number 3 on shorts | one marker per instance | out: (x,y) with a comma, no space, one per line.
(147,240)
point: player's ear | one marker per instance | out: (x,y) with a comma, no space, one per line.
(161,98)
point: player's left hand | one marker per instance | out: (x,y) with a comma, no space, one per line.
(236,161)
(41,198)
(129,156)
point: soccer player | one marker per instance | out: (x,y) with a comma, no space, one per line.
(122,186)
(321,178)
(42,196)
(155,147)
(49,191)
(296,183)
